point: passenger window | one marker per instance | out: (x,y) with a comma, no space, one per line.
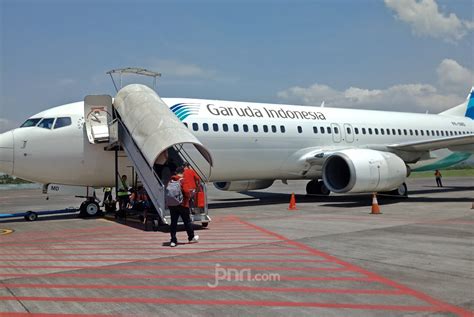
(185,124)
(428,132)
(394,132)
(376,131)
(356,130)
(46,123)
(255,128)
(236,128)
(300,129)
(416,132)
(388,131)
(225,127)
(30,122)
(215,127)
(363,131)
(370,130)
(336,130)
(347,129)
(399,132)
(421,132)
(315,130)
(65,121)
(195,126)
(205,127)
(328,129)
(246,128)
(274,129)
(405,132)
(382,131)
(265,128)
(437,132)
(282,129)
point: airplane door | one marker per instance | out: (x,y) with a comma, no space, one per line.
(349,132)
(336,132)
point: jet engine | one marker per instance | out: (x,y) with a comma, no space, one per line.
(241,186)
(363,170)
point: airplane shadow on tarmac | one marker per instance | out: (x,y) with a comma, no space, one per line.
(342,201)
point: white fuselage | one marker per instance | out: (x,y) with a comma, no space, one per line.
(65,156)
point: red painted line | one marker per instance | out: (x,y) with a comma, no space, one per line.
(171,267)
(12,314)
(174,260)
(137,243)
(440,305)
(218,253)
(154,276)
(200,302)
(151,247)
(207,288)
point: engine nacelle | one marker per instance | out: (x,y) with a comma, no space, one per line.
(363,170)
(241,186)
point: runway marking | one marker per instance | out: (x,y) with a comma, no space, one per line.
(207,288)
(285,251)
(437,304)
(6,231)
(200,302)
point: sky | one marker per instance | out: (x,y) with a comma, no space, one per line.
(404,55)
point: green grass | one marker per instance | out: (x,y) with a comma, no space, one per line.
(445,173)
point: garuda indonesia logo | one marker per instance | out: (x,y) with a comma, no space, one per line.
(184,110)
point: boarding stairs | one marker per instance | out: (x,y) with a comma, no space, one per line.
(142,125)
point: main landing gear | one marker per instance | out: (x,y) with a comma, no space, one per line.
(401,191)
(90,208)
(316,187)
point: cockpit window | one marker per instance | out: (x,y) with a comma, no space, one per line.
(30,122)
(46,123)
(62,122)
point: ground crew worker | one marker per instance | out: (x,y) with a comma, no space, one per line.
(190,184)
(123,193)
(438,176)
(107,195)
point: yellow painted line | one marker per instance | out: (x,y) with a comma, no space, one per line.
(6,231)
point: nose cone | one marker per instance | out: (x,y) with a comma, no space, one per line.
(6,152)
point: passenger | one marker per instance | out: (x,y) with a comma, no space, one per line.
(191,185)
(123,193)
(183,212)
(133,201)
(438,177)
(107,195)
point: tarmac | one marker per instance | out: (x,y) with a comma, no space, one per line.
(330,257)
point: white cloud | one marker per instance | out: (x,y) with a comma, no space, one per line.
(454,79)
(176,69)
(425,19)
(6,125)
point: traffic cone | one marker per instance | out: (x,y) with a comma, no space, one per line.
(292,205)
(375,205)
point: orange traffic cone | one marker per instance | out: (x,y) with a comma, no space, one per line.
(292,205)
(375,205)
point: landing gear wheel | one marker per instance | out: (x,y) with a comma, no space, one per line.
(317,188)
(90,209)
(401,191)
(324,190)
(312,188)
(31,216)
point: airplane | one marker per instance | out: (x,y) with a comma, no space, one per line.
(253,144)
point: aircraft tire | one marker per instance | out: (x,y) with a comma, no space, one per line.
(90,209)
(31,216)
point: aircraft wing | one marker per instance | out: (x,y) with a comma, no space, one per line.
(434,144)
